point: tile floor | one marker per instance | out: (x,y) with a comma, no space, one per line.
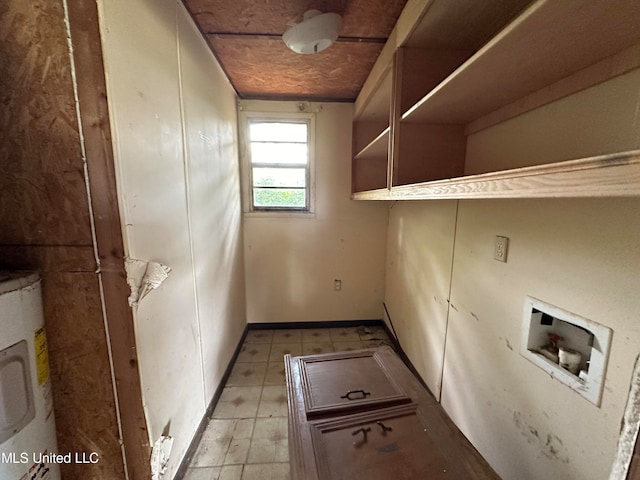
(246,437)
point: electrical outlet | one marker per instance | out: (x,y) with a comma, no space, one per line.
(337,285)
(501,248)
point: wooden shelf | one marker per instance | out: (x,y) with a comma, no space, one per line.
(375,108)
(378,147)
(371,131)
(439,92)
(549,41)
(611,175)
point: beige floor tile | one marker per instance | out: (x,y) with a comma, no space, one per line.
(273,402)
(316,348)
(205,473)
(269,442)
(231,472)
(344,334)
(259,336)
(238,402)
(218,429)
(347,346)
(217,438)
(211,453)
(278,351)
(275,374)
(377,343)
(244,374)
(316,335)
(287,336)
(266,471)
(254,352)
(237,452)
(268,451)
(372,333)
(274,428)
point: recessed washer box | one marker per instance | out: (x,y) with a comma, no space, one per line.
(544,323)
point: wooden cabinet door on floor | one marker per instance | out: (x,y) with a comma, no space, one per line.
(364,415)
(347,382)
(384,444)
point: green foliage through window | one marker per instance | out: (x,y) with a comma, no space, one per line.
(279,198)
(280,164)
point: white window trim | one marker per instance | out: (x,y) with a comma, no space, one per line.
(244,118)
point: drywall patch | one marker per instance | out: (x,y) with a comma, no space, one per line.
(630,427)
(160,456)
(142,277)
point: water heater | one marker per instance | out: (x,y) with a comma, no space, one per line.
(27,426)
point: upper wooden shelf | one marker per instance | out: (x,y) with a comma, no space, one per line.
(376,107)
(550,50)
(377,148)
(612,175)
(550,40)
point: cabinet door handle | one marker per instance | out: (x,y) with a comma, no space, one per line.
(364,432)
(384,428)
(354,392)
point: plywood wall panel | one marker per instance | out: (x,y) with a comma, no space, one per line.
(83,397)
(48,257)
(45,226)
(95,121)
(41,169)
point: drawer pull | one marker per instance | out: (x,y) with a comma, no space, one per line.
(353,392)
(364,432)
(385,429)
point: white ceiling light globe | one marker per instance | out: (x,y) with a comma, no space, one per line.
(315,33)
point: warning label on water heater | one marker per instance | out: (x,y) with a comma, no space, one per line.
(42,357)
(42,368)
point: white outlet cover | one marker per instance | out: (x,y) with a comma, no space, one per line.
(501,248)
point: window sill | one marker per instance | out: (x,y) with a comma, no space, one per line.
(279,214)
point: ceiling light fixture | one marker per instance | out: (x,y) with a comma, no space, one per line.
(315,33)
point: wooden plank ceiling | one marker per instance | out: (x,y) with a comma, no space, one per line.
(245,36)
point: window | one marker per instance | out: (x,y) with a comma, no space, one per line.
(279,151)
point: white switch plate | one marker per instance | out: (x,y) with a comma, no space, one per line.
(501,248)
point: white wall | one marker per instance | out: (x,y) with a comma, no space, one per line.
(418,274)
(582,255)
(292,261)
(175,136)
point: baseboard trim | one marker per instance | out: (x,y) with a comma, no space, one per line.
(195,441)
(317,324)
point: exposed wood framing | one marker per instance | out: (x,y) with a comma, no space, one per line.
(45,225)
(91,91)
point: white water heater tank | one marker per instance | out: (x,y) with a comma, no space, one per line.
(27,426)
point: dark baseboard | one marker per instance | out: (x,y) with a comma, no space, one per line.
(320,324)
(193,446)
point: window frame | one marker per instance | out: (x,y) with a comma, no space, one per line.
(246,119)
